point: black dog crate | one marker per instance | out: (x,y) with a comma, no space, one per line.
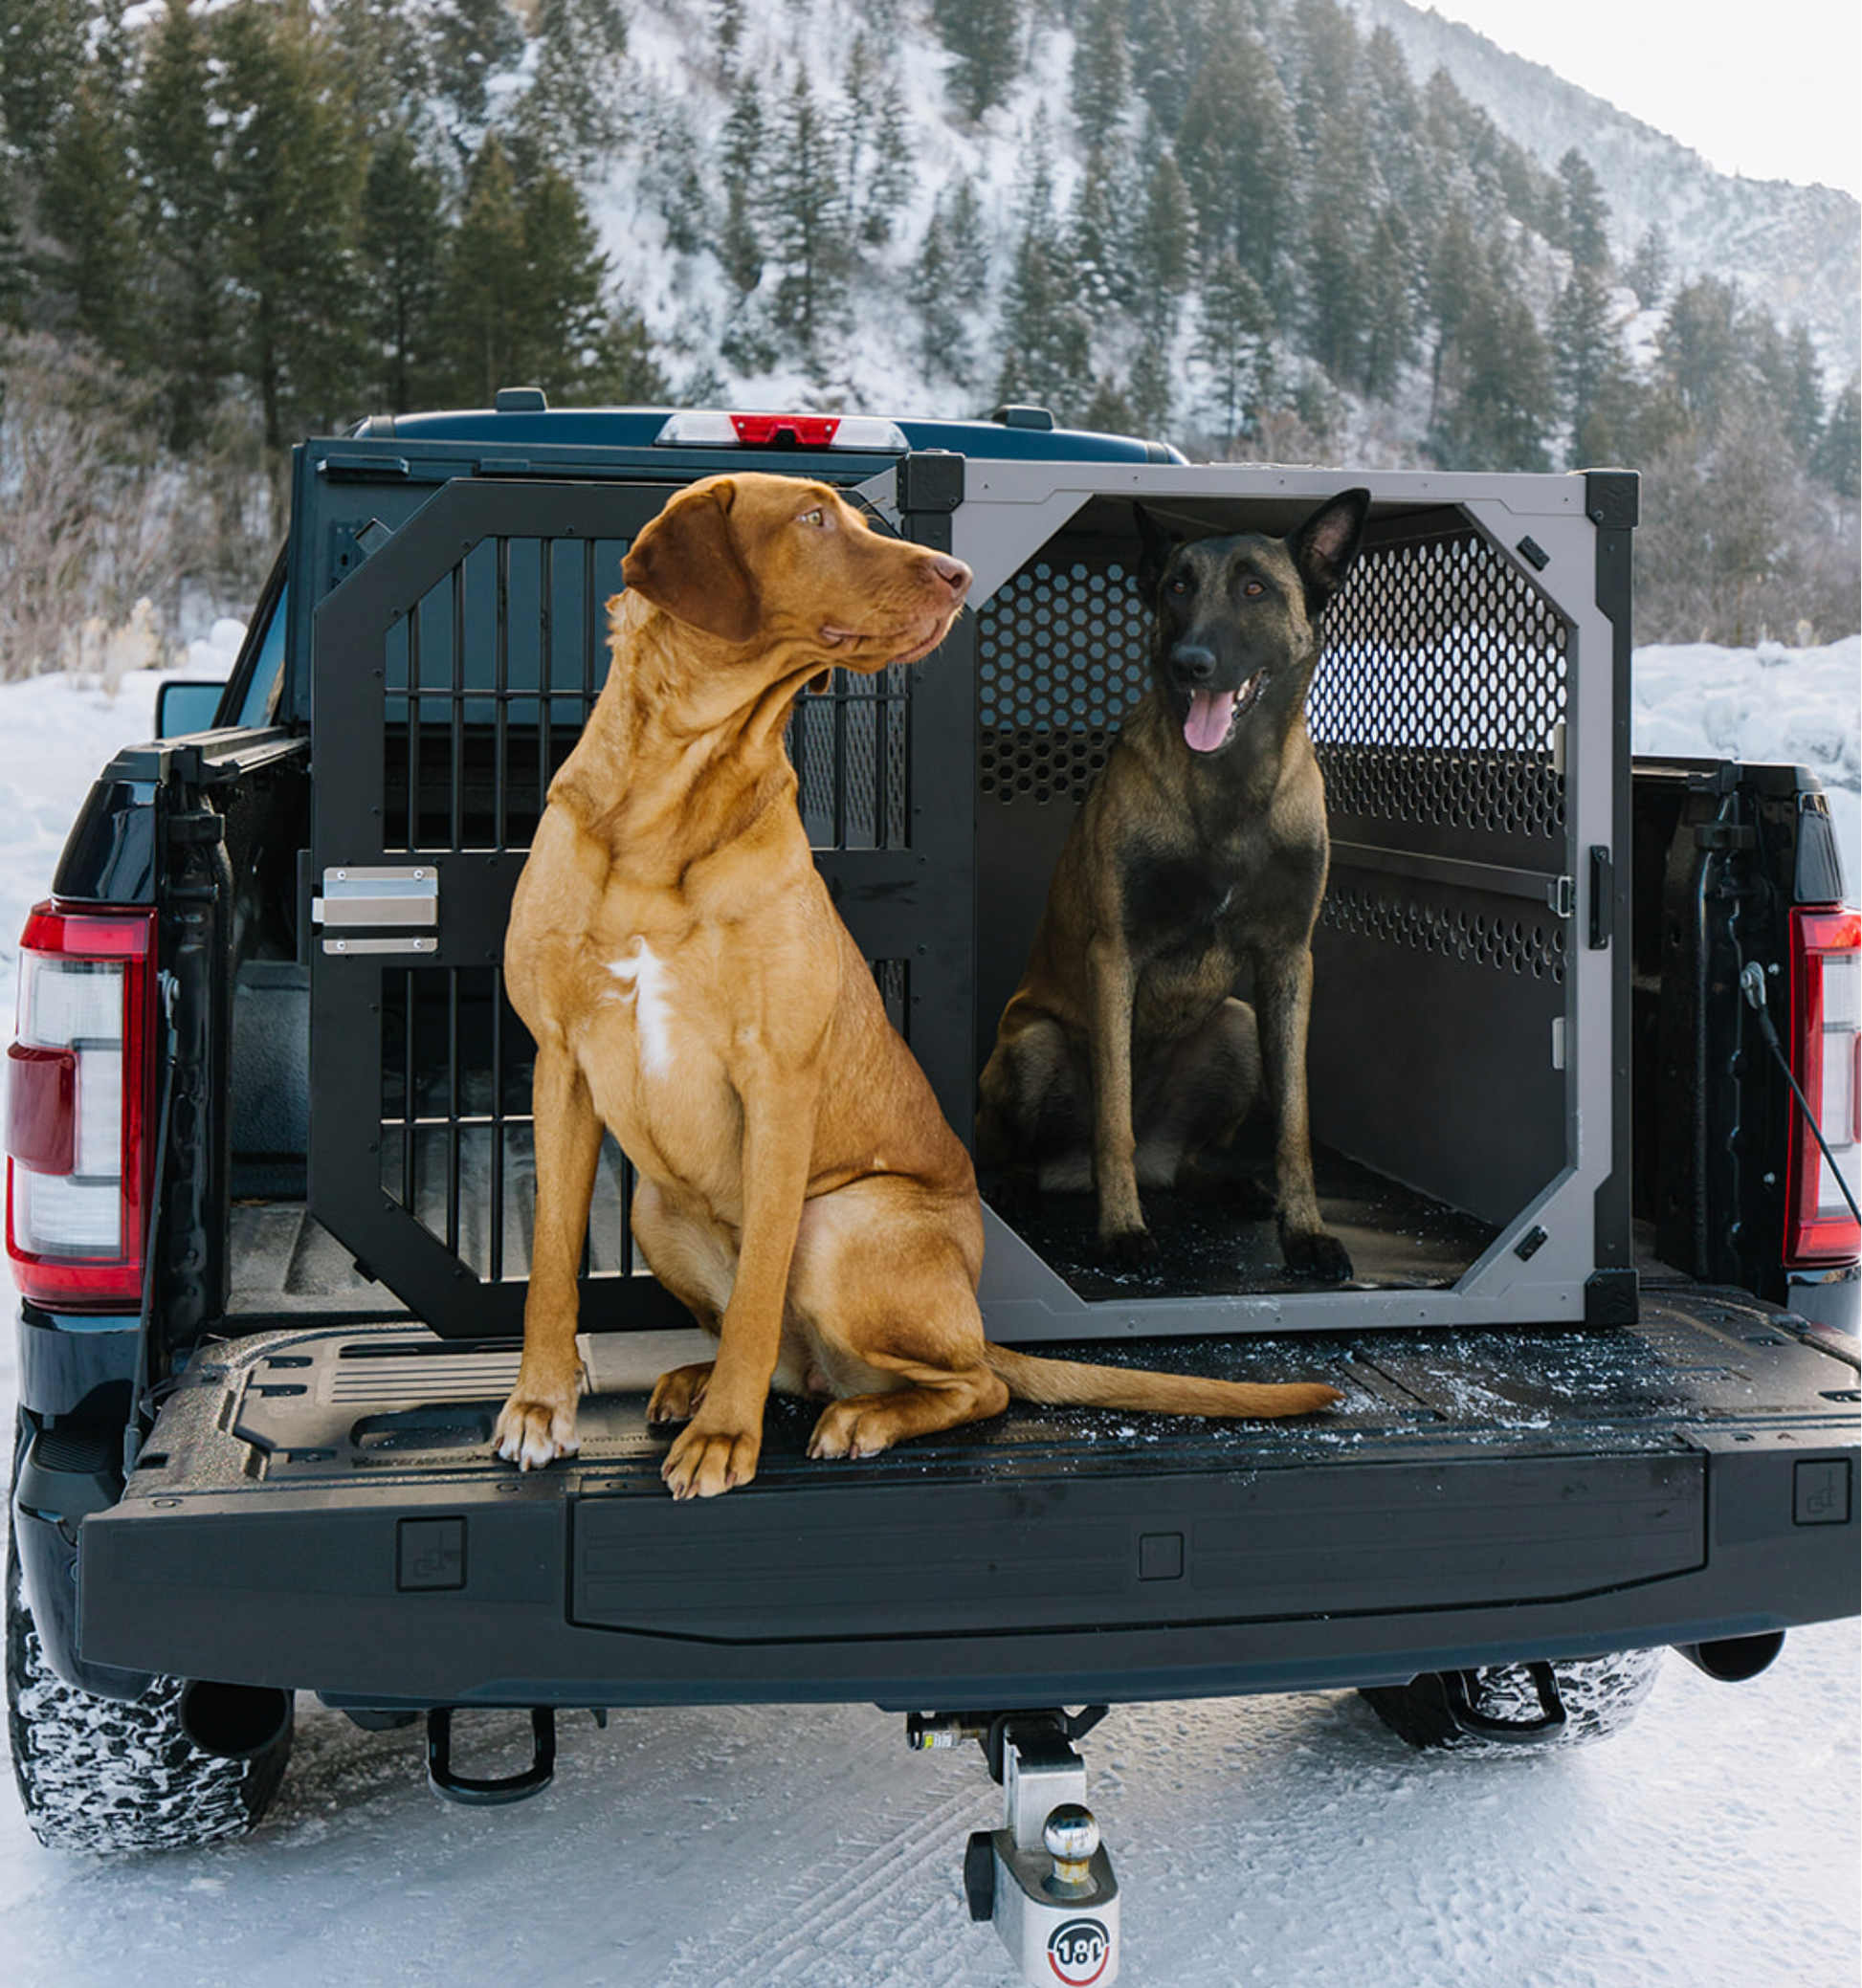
(1466,1032)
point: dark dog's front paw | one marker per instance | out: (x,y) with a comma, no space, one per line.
(1129,1248)
(1316,1254)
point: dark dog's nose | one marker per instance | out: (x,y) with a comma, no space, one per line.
(954,574)
(1192,662)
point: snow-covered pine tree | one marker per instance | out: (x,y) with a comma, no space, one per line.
(985,38)
(1102,73)
(292,164)
(87,205)
(574,110)
(1234,342)
(804,225)
(184,222)
(404,239)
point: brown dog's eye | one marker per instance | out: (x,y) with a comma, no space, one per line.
(817,518)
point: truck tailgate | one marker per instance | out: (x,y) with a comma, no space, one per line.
(321,1508)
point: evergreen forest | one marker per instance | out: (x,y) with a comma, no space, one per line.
(1239,225)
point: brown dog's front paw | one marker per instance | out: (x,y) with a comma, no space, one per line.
(706,1463)
(531,1433)
(1129,1248)
(677,1394)
(850,1429)
(1318,1254)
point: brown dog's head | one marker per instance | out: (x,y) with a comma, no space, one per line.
(783,568)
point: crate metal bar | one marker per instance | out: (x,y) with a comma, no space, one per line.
(407,1100)
(495,1212)
(840,759)
(415,654)
(452,1134)
(500,693)
(456,797)
(1541,887)
(545,675)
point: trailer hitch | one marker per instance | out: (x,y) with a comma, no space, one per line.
(1043,1878)
(486,1794)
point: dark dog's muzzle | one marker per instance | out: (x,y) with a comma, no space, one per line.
(1210,711)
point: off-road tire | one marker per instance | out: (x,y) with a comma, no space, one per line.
(1601,1697)
(105,1775)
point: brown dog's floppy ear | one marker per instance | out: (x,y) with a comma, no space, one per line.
(686,563)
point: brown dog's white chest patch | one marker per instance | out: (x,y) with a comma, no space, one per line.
(647,977)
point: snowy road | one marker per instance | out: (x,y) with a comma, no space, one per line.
(1287,1841)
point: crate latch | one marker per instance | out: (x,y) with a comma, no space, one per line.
(360,899)
(1562,894)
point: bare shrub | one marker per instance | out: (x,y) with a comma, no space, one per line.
(1739,544)
(87,517)
(108,545)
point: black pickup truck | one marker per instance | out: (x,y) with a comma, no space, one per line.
(270,1173)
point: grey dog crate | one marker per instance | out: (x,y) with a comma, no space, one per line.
(1466,1041)
(1469,1033)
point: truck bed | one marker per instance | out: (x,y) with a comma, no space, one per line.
(318,1507)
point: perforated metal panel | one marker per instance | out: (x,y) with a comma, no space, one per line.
(1406,917)
(1062,654)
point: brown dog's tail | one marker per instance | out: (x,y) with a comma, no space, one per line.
(1067,1384)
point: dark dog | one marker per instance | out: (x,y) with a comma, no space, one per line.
(676,956)
(1201,850)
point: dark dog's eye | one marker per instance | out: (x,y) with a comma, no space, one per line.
(1178,585)
(1253,588)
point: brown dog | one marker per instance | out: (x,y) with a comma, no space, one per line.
(676,957)
(1201,850)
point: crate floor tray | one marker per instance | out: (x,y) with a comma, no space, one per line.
(1398,1239)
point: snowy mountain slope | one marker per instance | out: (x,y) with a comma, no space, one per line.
(875,363)
(1797,248)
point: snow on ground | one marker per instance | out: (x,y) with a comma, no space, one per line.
(1288,1840)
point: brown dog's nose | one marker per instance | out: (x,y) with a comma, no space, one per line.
(954,574)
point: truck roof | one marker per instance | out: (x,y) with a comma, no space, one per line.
(523,415)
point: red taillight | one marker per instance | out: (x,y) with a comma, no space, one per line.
(1827,1057)
(79,1108)
(799,430)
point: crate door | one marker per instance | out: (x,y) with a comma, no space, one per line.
(451,679)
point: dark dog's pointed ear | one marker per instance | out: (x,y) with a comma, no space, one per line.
(1325,547)
(686,562)
(1158,545)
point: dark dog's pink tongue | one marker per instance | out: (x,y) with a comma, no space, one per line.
(1210,713)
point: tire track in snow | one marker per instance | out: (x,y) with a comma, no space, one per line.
(864,1904)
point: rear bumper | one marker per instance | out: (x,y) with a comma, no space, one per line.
(289,1528)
